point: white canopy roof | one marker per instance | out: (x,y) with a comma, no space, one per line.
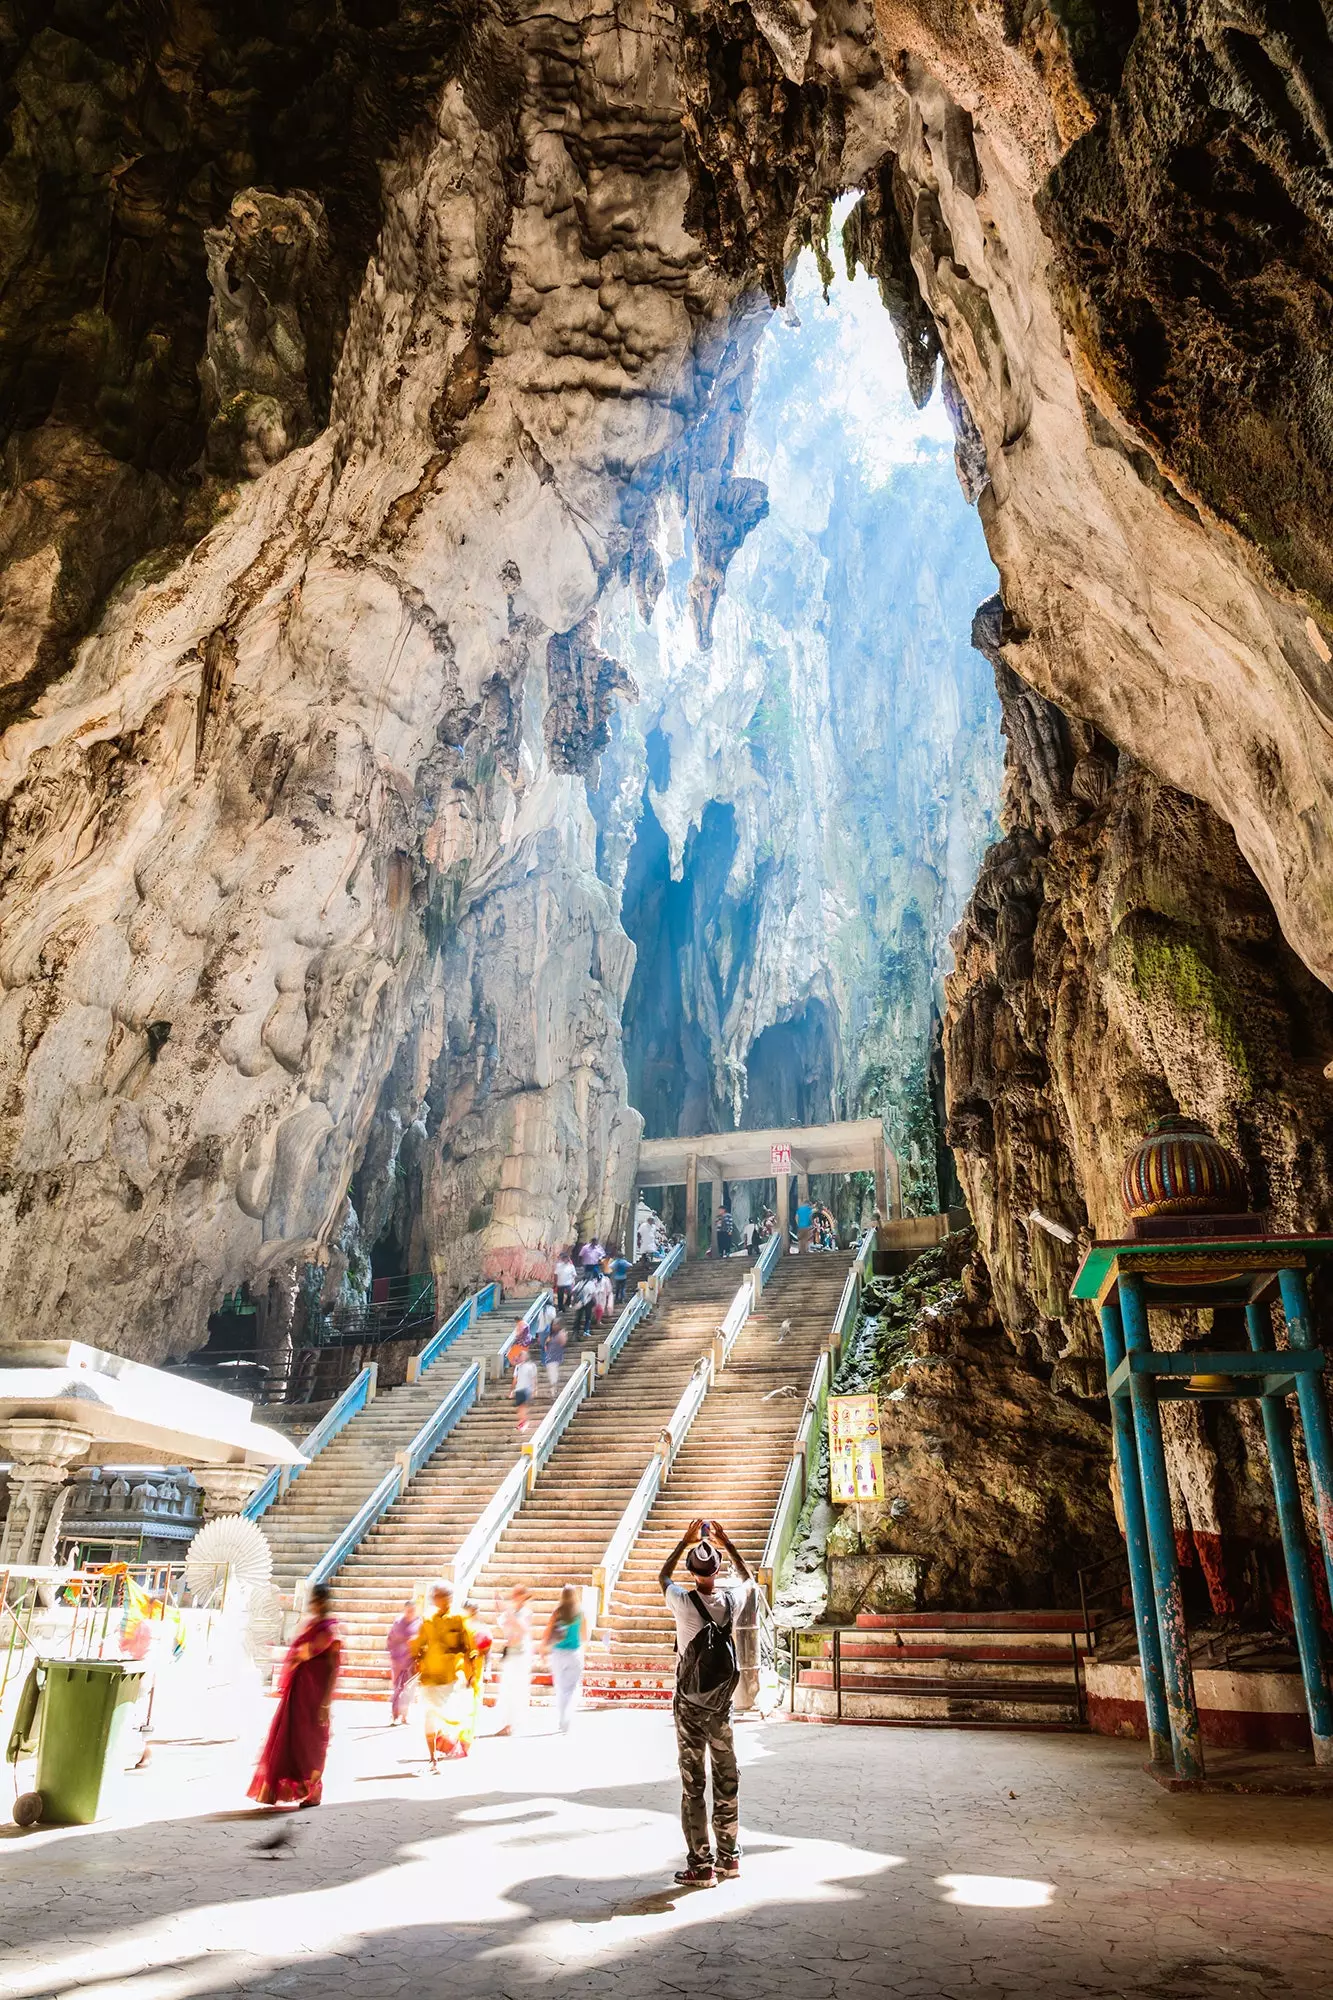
(125,1405)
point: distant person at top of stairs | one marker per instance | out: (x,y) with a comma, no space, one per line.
(805,1216)
(705,1612)
(591,1254)
(726,1234)
(566,1277)
(620,1269)
(650,1237)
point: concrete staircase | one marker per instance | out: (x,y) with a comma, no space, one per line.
(560,1535)
(317,1506)
(418,1538)
(956,1669)
(731,1467)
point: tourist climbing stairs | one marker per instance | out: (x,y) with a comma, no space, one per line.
(561,1533)
(976,1669)
(731,1467)
(305,1522)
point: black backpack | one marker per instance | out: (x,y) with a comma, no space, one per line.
(706,1672)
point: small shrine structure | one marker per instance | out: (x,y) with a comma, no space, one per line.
(1193,1245)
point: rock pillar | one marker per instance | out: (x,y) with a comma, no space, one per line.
(41,1454)
(226,1488)
(882,1180)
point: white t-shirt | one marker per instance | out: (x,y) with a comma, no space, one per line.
(723,1599)
(565,1274)
(525,1378)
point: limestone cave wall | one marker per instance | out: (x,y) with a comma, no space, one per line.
(345,364)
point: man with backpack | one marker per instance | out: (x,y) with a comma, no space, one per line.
(706,1675)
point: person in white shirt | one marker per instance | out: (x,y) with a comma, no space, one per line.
(525,1382)
(703,1713)
(566,1277)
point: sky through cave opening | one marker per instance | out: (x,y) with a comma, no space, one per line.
(793,815)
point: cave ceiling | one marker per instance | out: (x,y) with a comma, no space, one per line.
(344,356)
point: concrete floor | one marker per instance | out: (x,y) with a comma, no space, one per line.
(922,1863)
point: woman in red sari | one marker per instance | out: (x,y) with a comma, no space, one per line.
(291,1766)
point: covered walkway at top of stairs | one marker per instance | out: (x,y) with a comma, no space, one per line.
(849,1146)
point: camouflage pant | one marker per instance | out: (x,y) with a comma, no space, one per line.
(701,1734)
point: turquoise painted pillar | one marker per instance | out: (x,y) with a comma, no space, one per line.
(1291,1521)
(1177,1674)
(1314,1411)
(1136,1547)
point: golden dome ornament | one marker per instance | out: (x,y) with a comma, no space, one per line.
(1182,1169)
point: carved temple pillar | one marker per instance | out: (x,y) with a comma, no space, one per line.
(41,1454)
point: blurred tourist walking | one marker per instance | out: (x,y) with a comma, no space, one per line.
(566,1277)
(450,1653)
(398,1644)
(525,1383)
(563,1645)
(290,1771)
(553,1352)
(516,1669)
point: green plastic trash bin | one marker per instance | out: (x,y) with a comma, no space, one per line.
(87,1709)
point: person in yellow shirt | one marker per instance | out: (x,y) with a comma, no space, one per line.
(450,1653)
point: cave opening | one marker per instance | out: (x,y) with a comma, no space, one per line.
(794,811)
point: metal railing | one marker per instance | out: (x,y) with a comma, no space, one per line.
(653,1478)
(459,1320)
(1111,1587)
(766,1261)
(820,1637)
(406,1465)
(441,1421)
(500,1355)
(500,1510)
(484,1537)
(630,1316)
(355,1397)
(734,1319)
(558,1418)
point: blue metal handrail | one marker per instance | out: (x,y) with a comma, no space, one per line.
(476,1551)
(396,1480)
(358,1527)
(459,1320)
(526,1319)
(767,1258)
(632,1313)
(559,1417)
(438,1426)
(354,1398)
(667,1264)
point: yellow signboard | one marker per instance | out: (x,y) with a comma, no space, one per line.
(856,1468)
